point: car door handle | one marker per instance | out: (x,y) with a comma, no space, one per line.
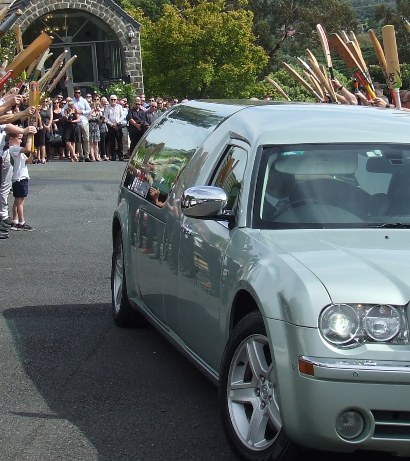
(187,230)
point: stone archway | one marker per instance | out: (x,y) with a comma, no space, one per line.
(115,18)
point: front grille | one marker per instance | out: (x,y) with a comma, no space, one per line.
(391,425)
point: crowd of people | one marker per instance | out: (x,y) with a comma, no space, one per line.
(89,128)
(93,128)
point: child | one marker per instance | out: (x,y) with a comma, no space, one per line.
(20,178)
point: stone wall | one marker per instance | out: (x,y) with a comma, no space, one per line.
(132,51)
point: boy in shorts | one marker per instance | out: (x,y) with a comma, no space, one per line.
(20,178)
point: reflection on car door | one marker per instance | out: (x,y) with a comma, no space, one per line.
(202,250)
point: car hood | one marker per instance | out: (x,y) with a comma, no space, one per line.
(354,265)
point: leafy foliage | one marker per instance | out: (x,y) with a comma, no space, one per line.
(201,51)
(122,90)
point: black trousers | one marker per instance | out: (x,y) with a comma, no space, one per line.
(134,138)
(115,142)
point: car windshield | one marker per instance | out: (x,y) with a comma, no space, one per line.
(333,186)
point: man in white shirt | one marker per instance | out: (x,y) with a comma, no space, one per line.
(83,144)
(114,116)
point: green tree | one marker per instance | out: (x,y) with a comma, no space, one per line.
(289,26)
(151,8)
(204,50)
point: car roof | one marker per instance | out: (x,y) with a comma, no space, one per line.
(267,122)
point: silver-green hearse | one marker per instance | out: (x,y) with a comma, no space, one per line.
(271,244)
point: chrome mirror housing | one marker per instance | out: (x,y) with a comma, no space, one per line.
(204,202)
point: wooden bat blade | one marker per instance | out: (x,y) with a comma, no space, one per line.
(19,39)
(53,70)
(351,63)
(6,25)
(325,47)
(301,80)
(379,52)
(61,73)
(277,87)
(392,57)
(23,59)
(392,61)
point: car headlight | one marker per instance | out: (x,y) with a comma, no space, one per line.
(347,325)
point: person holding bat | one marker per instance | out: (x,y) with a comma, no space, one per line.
(344,96)
(7,127)
(20,178)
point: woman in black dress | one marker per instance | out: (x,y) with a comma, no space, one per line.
(58,121)
(71,119)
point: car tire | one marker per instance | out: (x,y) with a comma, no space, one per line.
(124,315)
(250,408)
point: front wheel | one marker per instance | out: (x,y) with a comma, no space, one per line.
(124,314)
(249,399)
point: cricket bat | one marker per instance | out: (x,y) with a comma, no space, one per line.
(407,25)
(351,63)
(23,59)
(302,81)
(61,74)
(277,87)
(34,99)
(6,25)
(323,79)
(326,50)
(392,61)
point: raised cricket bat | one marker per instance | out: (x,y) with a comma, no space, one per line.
(351,63)
(34,99)
(52,71)
(6,25)
(323,79)
(325,47)
(302,81)
(277,87)
(61,74)
(392,61)
(23,59)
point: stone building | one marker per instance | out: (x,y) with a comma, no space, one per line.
(104,37)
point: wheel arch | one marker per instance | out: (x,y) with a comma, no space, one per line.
(243,304)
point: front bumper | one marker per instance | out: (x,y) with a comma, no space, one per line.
(333,381)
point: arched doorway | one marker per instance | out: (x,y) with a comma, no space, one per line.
(99,52)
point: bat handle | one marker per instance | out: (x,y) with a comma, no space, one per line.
(7,76)
(397,97)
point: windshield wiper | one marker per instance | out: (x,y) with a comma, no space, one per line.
(393,225)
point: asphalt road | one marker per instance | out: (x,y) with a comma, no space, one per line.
(73,386)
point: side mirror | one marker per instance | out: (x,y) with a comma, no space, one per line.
(206,202)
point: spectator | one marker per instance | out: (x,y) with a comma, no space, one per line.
(94,120)
(58,128)
(135,123)
(6,169)
(42,138)
(83,141)
(150,115)
(103,131)
(71,120)
(20,178)
(114,116)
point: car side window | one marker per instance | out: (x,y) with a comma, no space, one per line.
(153,170)
(230,173)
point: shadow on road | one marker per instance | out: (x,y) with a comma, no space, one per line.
(128,392)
